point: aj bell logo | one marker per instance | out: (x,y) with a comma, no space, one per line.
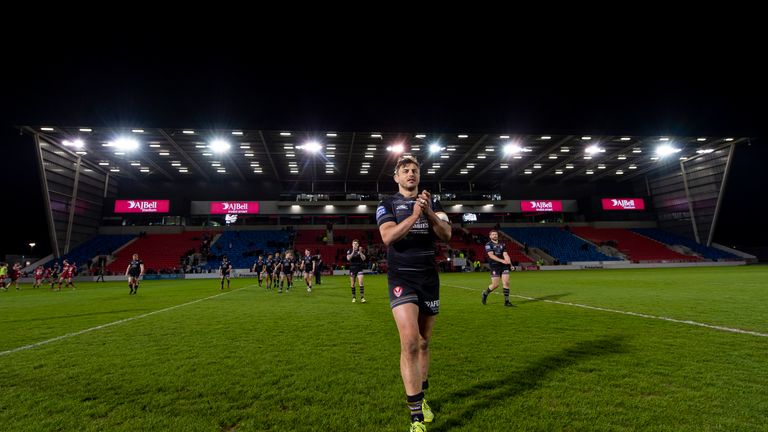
(543,205)
(143,205)
(233,207)
(626,204)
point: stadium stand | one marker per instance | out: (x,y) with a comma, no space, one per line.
(632,245)
(159,252)
(673,239)
(97,245)
(558,243)
(243,247)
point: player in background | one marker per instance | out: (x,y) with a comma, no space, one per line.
(257,267)
(134,271)
(3,275)
(356,258)
(286,272)
(308,267)
(55,272)
(225,271)
(66,276)
(277,266)
(39,275)
(16,275)
(499,261)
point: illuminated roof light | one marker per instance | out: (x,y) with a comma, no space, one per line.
(311,146)
(125,144)
(666,149)
(219,145)
(397,148)
(511,148)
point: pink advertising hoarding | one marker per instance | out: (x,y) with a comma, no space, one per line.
(541,206)
(234,207)
(142,206)
(623,204)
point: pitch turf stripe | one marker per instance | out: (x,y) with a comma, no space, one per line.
(77,333)
(637,314)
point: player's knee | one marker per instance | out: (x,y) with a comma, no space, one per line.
(411,347)
(423,344)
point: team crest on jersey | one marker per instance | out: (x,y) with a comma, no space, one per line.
(398,291)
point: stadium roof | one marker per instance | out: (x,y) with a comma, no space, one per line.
(177,154)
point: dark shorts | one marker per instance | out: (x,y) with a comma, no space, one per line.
(133,275)
(421,288)
(353,271)
(497,271)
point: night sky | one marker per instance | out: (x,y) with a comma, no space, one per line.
(165,93)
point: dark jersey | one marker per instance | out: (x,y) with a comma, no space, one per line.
(259,265)
(415,251)
(134,268)
(277,264)
(497,249)
(308,260)
(225,268)
(287,265)
(356,260)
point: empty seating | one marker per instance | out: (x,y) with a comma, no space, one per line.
(673,239)
(633,245)
(242,247)
(86,251)
(558,243)
(157,251)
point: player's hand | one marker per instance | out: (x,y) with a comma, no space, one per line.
(418,207)
(424,200)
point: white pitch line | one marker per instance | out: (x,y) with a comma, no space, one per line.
(125,320)
(637,314)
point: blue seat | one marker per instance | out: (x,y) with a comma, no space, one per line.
(558,243)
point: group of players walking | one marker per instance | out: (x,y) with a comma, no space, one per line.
(56,276)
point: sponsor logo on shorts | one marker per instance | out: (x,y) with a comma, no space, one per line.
(398,291)
(433,305)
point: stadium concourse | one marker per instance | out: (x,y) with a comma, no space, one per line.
(184,198)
